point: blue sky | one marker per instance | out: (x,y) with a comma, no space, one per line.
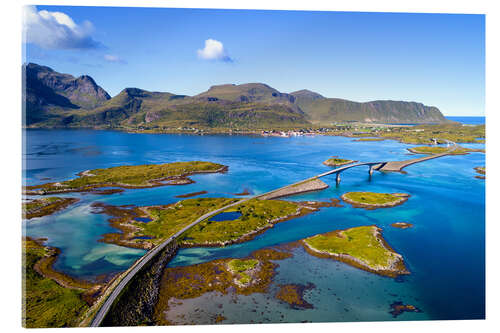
(436,59)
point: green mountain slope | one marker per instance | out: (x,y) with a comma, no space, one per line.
(327,110)
(53,99)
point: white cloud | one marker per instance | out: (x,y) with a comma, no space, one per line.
(114,58)
(214,50)
(56,30)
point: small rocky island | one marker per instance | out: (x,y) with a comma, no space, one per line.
(129,176)
(362,247)
(481,171)
(373,200)
(45,206)
(399,308)
(401,225)
(334,161)
(293,294)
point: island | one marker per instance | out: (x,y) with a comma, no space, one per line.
(481,171)
(144,227)
(430,150)
(45,206)
(130,176)
(362,247)
(293,295)
(334,161)
(398,308)
(402,225)
(373,200)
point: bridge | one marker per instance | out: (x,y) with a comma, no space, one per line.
(141,262)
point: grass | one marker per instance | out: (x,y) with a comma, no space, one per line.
(359,242)
(256,215)
(371,198)
(334,161)
(423,134)
(45,206)
(45,303)
(440,150)
(169,220)
(39,203)
(241,267)
(133,175)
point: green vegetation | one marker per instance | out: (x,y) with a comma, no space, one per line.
(256,215)
(371,198)
(46,303)
(184,282)
(334,161)
(242,267)
(147,175)
(363,245)
(423,134)
(60,100)
(170,219)
(45,206)
(440,150)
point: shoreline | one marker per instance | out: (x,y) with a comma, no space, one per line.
(182,179)
(396,268)
(402,198)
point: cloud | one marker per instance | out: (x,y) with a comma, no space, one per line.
(56,30)
(214,50)
(114,58)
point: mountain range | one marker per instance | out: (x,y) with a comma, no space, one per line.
(53,99)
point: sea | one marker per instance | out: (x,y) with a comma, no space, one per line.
(469,120)
(444,251)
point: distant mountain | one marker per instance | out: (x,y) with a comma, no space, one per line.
(53,99)
(323,110)
(48,91)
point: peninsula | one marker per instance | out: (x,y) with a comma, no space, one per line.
(130,176)
(45,206)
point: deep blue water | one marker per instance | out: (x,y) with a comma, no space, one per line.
(469,120)
(143,219)
(226,216)
(444,250)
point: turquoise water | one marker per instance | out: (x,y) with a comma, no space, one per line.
(444,250)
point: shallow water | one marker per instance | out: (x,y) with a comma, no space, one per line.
(444,250)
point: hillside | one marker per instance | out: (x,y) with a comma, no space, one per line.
(48,92)
(320,110)
(53,99)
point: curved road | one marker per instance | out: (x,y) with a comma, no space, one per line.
(139,264)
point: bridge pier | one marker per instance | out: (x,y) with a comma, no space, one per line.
(337,178)
(370,170)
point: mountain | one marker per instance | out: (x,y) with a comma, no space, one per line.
(47,92)
(53,99)
(326,110)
